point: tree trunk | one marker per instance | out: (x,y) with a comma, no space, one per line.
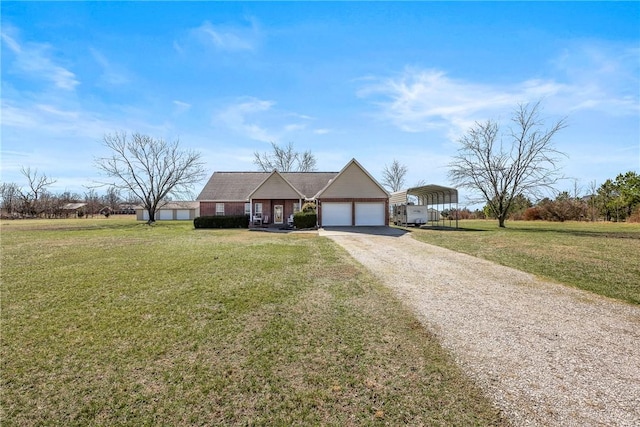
(501,219)
(152,216)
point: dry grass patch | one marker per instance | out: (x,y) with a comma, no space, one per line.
(109,322)
(598,257)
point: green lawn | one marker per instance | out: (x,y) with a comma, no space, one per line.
(599,257)
(108,321)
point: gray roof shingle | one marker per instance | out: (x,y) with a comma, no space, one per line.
(236,186)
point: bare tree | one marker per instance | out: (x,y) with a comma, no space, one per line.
(92,201)
(111,198)
(285,159)
(393,176)
(10,196)
(151,169)
(498,172)
(306,162)
(37,187)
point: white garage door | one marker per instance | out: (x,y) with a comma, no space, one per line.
(335,214)
(145,215)
(165,214)
(370,214)
(182,214)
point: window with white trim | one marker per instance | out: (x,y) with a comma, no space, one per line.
(257,207)
(247,208)
(219,208)
(296,207)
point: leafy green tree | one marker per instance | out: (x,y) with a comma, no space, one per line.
(608,200)
(519,205)
(628,186)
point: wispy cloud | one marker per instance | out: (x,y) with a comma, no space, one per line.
(603,76)
(181,106)
(587,77)
(14,116)
(10,41)
(227,38)
(52,120)
(224,37)
(112,75)
(248,115)
(35,60)
(237,117)
(420,100)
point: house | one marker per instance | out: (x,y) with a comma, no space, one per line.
(171,211)
(346,198)
(73,210)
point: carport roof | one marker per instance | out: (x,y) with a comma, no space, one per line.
(432,194)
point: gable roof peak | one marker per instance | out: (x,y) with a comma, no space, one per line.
(353,161)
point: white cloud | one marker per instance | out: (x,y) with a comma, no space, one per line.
(294,127)
(603,76)
(587,77)
(181,106)
(56,112)
(34,60)
(247,115)
(235,117)
(421,100)
(51,120)
(227,37)
(10,41)
(112,75)
(14,116)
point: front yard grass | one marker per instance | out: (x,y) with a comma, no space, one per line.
(603,258)
(111,322)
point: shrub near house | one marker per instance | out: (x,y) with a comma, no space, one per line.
(305,220)
(231,221)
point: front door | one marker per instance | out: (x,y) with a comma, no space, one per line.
(278,214)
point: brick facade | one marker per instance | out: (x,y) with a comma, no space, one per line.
(230,208)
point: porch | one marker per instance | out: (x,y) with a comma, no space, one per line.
(273,213)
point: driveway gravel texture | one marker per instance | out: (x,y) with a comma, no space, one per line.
(547,354)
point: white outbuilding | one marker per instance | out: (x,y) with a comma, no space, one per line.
(171,211)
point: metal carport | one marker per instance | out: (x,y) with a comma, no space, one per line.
(429,195)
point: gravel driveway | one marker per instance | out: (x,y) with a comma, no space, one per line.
(547,354)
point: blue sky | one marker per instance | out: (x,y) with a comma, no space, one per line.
(374,81)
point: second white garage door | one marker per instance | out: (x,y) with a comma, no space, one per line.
(164,214)
(336,214)
(182,214)
(370,214)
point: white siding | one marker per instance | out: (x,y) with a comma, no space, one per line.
(275,187)
(353,182)
(336,214)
